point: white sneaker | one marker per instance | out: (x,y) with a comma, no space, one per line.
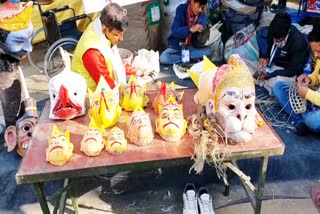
(190,200)
(205,201)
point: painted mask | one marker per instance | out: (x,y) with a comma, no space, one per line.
(15,38)
(59,148)
(15,16)
(164,94)
(67,94)
(231,98)
(139,128)
(15,20)
(20,135)
(92,141)
(133,95)
(116,142)
(234,101)
(171,124)
(20,41)
(104,105)
(202,78)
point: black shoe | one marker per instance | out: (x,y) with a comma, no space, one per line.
(302,129)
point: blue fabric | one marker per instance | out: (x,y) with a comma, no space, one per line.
(310,117)
(180,29)
(296,18)
(262,39)
(173,56)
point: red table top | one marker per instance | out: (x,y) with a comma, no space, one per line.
(35,168)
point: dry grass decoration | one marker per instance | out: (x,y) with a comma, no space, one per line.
(206,134)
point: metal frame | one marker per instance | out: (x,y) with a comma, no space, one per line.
(254,194)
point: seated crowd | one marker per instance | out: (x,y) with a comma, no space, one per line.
(280,65)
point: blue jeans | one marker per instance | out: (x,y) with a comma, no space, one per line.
(173,56)
(311,117)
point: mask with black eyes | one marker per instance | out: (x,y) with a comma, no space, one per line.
(67,92)
(19,136)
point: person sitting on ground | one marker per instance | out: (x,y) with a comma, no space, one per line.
(97,54)
(188,23)
(308,88)
(285,56)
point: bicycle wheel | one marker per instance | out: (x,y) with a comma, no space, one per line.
(36,58)
(53,63)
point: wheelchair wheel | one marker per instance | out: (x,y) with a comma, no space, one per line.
(36,58)
(53,63)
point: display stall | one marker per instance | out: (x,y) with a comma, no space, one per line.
(36,170)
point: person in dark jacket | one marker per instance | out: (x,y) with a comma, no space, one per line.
(286,54)
(188,23)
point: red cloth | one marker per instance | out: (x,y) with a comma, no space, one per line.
(95,64)
(191,21)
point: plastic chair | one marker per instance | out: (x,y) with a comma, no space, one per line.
(64,34)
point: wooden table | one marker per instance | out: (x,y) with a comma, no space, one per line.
(35,169)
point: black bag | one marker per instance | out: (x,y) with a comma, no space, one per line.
(234,21)
(203,36)
(255,3)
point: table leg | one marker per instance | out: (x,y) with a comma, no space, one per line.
(227,187)
(41,197)
(262,180)
(74,200)
(63,198)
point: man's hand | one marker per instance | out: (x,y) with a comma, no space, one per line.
(302,90)
(303,80)
(262,62)
(196,28)
(262,75)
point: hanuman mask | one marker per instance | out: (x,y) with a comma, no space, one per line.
(171,124)
(231,99)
